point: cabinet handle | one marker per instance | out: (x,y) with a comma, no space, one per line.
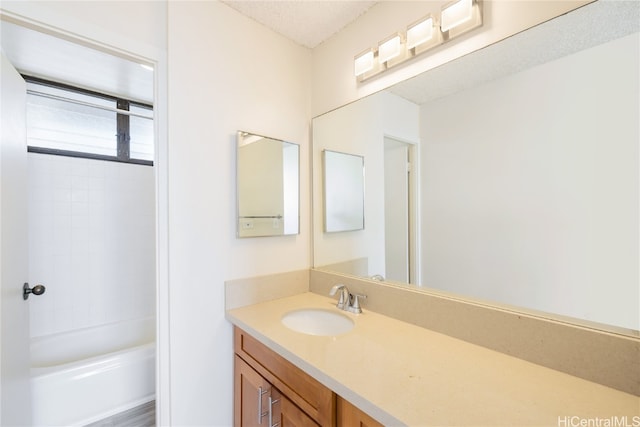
(271,403)
(260,413)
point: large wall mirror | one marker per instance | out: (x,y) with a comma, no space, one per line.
(518,175)
(267,186)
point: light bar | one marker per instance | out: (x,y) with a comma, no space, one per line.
(428,32)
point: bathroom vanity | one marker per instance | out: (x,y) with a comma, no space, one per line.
(388,372)
(270,390)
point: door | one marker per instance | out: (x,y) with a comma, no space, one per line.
(251,393)
(15,399)
(286,413)
(396,211)
(258,404)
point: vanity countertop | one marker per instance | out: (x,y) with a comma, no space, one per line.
(402,374)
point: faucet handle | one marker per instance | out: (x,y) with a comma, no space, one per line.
(355,307)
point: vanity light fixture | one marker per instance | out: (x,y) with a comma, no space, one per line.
(364,62)
(390,48)
(455,18)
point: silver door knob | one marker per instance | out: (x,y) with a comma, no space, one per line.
(36,290)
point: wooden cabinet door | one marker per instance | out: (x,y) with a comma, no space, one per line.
(257,402)
(300,388)
(287,414)
(350,416)
(250,395)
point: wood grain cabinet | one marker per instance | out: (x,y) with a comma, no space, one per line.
(349,415)
(289,395)
(269,391)
(258,403)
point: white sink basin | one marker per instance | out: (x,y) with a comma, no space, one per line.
(316,321)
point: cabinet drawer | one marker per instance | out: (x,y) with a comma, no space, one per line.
(312,397)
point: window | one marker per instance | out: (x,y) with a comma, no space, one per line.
(69,121)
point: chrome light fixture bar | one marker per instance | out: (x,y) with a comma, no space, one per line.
(456,18)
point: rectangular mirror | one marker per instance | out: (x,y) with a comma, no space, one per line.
(525,195)
(343,191)
(268,190)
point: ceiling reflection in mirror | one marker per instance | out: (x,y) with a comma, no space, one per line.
(524,187)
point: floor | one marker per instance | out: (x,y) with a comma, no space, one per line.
(140,416)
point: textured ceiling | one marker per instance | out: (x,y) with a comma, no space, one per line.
(306,22)
(591,25)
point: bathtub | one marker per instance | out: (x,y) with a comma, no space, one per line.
(85,375)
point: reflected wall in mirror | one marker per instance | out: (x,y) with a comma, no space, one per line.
(343,191)
(528,171)
(267,186)
(382,128)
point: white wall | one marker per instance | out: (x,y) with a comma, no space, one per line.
(334,84)
(226,73)
(530,187)
(359,128)
(91,242)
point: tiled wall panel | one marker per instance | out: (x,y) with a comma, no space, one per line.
(91,242)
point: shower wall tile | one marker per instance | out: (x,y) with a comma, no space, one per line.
(91,242)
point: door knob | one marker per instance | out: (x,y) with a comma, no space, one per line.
(36,290)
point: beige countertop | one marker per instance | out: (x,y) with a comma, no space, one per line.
(401,374)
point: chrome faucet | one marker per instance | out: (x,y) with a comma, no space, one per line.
(345,296)
(347,301)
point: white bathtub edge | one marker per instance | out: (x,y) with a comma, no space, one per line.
(59,392)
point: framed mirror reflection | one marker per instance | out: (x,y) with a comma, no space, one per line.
(268,186)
